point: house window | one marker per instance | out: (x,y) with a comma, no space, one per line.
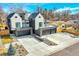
(40,24)
(39,17)
(6,28)
(21,16)
(15,16)
(75,28)
(25,24)
(18,25)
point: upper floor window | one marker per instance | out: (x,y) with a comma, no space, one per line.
(25,24)
(15,16)
(39,16)
(6,28)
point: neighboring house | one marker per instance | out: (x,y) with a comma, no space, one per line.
(4,29)
(37,22)
(17,24)
(74,23)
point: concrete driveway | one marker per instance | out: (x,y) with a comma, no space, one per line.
(36,48)
(69,51)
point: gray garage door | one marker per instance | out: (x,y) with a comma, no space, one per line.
(22,33)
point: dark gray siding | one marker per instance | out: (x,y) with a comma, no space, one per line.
(23,32)
(37,32)
(45,31)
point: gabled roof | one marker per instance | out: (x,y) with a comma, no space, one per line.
(10,15)
(33,15)
(20,14)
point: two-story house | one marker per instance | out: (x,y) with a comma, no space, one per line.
(18,24)
(39,25)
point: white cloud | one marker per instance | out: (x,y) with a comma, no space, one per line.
(62,9)
(66,8)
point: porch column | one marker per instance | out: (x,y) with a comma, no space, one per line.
(31,31)
(40,32)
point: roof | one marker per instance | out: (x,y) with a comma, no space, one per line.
(33,15)
(20,14)
(74,23)
(10,15)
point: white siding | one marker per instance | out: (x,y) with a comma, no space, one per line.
(37,20)
(14,20)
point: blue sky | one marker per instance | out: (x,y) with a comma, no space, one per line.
(32,6)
